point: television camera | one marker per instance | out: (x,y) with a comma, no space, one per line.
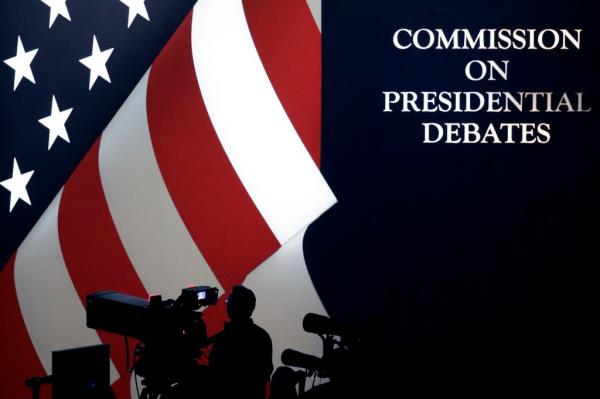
(338,362)
(171,334)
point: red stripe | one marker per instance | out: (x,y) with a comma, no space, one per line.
(19,359)
(217,211)
(289,44)
(95,258)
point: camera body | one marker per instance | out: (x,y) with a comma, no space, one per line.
(338,352)
(171,332)
(136,317)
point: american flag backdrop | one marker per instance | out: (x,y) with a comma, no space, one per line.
(207,173)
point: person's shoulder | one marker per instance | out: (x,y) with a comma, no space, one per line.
(261,331)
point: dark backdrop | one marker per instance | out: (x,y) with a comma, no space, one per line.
(478,258)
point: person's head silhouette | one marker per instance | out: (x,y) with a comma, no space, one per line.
(240,303)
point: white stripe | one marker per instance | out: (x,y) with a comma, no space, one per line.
(284,279)
(53,313)
(252,125)
(315,9)
(155,238)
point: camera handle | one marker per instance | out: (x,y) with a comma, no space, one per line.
(301,383)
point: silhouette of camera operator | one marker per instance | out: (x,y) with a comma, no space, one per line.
(241,355)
